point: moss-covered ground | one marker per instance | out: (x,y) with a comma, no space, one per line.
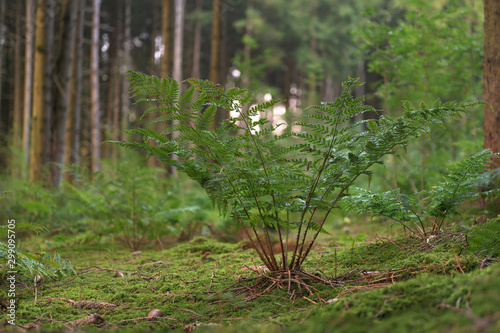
(397,285)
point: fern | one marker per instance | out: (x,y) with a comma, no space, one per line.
(260,178)
(427,209)
(484,239)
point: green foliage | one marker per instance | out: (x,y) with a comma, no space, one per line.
(484,239)
(431,50)
(30,265)
(123,200)
(248,170)
(420,210)
(351,241)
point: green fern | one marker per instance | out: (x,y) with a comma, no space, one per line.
(484,239)
(427,209)
(262,179)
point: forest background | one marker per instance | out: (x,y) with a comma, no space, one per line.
(64,87)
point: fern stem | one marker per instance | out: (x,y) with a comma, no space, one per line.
(261,158)
(303,257)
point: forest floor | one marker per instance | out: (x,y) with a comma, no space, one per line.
(398,285)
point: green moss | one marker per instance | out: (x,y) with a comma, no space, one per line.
(179,281)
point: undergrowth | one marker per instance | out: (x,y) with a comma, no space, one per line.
(255,176)
(196,285)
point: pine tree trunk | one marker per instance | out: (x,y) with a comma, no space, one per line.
(48,100)
(2,24)
(491,67)
(153,161)
(28,78)
(107,132)
(74,106)
(116,78)
(125,98)
(18,90)
(197,43)
(63,82)
(178,48)
(215,42)
(166,37)
(37,137)
(95,136)
(178,41)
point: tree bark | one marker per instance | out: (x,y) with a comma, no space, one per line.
(37,144)
(491,67)
(73,122)
(28,78)
(197,43)
(125,98)
(215,42)
(63,82)
(166,37)
(95,137)
(116,80)
(178,41)
(2,24)
(18,88)
(48,100)
(178,48)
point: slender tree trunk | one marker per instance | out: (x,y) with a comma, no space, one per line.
(18,91)
(166,37)
(491,67)
(28,77)
(74,107)
(116,82)
(63,83)
(178,41)
(2,24)
(178,48)
(215,39)
(36,145)
(215,45)
(95,136)
(197,43)
(48,100)
(153,162)
(154,34)
(113,61)
(126,66)
(247,48)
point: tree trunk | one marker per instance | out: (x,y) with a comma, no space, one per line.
(28,78)
(48,100)
(126,66)
(116,79)
(154,34)
(197,43)
(2,24)
(215,42)
(95,136)
(177,68)
(491,67)
(63,82)
(18,92)
(166,37)
(73,122)
(178,41)
(37,137)
(113,62)
(153,161)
